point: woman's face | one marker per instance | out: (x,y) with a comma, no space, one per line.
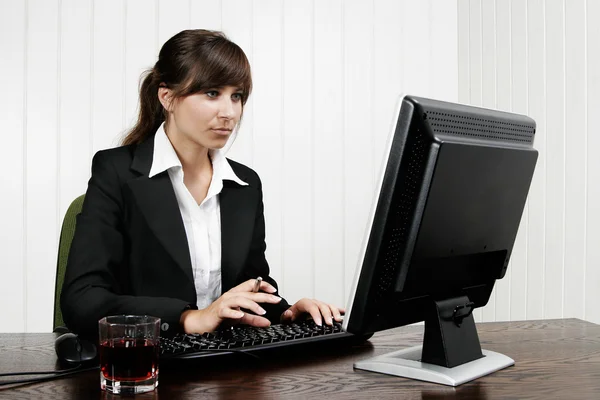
(205,119)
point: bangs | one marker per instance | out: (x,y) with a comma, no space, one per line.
(224,64)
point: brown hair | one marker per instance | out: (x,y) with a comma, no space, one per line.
(189,62)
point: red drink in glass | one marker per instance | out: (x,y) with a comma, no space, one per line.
(129,352)
(129,359)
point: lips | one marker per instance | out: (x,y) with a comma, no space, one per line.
(222,131)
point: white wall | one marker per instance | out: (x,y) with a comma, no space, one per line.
(542,58)
(326,77)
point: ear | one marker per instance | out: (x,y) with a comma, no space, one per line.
(165,96)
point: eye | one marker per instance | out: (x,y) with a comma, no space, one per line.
(237,96)
(212,94)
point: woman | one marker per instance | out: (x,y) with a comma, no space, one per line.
(168,223)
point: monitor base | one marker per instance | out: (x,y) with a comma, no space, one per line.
(406,363)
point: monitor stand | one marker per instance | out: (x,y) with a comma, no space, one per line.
(451,353)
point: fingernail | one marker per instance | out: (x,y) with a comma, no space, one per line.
(319,322)
(240,314)
(261,311)
(276,298)
(288,313)
(329,321)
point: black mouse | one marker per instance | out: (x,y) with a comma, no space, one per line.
(70,349)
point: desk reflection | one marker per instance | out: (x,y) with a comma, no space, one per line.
(472,390)
(104,395)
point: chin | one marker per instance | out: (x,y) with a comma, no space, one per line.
(217,145)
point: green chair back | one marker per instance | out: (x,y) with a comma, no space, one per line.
(66,238)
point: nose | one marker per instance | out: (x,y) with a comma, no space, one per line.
(226,108)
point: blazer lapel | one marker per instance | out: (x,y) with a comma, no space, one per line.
(238,212)
(156,200)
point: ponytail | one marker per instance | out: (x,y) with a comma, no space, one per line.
(151,113)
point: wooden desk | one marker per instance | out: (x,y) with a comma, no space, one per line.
(555,359)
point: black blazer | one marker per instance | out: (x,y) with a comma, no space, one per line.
(130,253)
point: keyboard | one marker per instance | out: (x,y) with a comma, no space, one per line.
(248,339)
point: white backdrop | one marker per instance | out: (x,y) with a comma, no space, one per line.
(326,76)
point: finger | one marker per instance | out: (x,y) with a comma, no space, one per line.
(228,313)
(256,297)
(255,320)
(335,312)
(267,287)
(248,286)
(287,316)
(264,298)
(260,297)
(325,312)
(244,302)
(314,312)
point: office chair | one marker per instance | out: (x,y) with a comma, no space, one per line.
(64,245)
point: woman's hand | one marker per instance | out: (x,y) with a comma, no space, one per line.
(227,308)
(317,310)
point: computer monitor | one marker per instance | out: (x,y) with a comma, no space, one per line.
(444,221)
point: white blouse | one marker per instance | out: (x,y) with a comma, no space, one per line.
(202,222)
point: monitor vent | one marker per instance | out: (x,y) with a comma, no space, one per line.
(465,125)
(403,203)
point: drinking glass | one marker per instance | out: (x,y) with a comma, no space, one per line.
(129,352)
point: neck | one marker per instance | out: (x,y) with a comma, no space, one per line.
(194,162)
(194,158)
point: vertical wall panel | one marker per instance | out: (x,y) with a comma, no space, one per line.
(388,66)
(488,96)
(141,51)
(268,137)
(173,17)
(74,107)
(357,123)
(328,153)
(298,154)
(108,75)
(537,193)
(555,156)
(237,25)
(592,261)
(443,60)
(464,93)
(13,64)
(575,158)
(417,43)
(206,14)
(503,102)
(475,53)
(518,67)
(41,217)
